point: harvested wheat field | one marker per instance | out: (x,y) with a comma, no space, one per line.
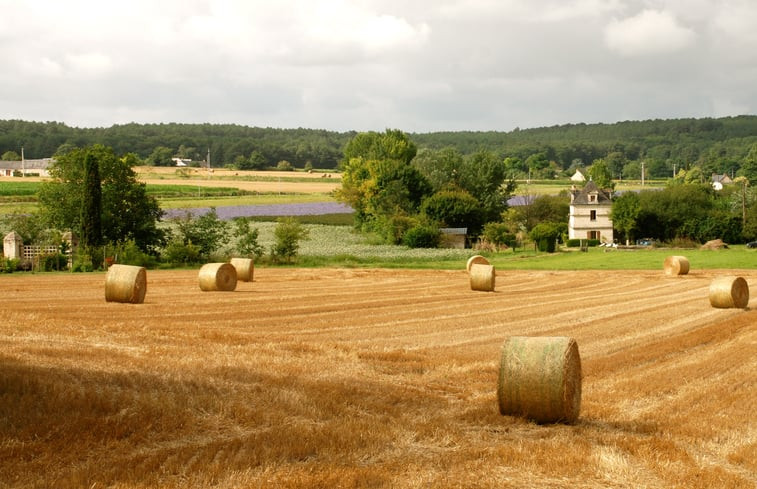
(371,378)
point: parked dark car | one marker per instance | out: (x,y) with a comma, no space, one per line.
(752,244)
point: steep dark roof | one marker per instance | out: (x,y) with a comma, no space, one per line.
(582,196)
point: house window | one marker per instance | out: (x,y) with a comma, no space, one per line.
(593,215)
(592,198)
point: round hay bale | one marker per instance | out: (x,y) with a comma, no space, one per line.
(125,283)
(729,291)
(474,260)
(245,268)
(676,265)
(218,276)
(482,277)
(540,379)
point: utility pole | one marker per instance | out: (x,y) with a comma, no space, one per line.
(23,165)
(642,173)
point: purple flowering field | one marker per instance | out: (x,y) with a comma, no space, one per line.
(230,212)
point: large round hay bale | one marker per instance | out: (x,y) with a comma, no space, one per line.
(540,379)
(729,291)
(125,283)
(476,260)
(676,265)
(218,276)
(482,277)
(245,268)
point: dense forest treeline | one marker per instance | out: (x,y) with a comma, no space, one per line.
(714,145)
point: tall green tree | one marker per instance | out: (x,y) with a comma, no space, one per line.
(749,165)
(378,180)
(454,208)
(441,168)
(160,156)
(127,212)
(601,175)
(91,234)
(625,213)
(484,176)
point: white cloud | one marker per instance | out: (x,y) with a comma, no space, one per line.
(88,65)
(648,33)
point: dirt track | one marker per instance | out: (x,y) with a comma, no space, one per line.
(349,378)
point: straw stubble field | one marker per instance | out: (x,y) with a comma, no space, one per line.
(370,378)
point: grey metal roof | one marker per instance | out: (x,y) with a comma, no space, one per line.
(40,164)
(581,197)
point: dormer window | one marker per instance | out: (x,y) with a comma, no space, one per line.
(592,198)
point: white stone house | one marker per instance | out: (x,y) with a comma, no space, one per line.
(590,214)
(26,167)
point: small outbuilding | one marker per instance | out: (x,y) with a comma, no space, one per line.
(454,237)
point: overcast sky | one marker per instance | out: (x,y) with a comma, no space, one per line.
(415,65)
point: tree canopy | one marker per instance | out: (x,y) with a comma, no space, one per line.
(665,146)
(126,211)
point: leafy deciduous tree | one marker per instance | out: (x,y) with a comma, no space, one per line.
(625,212)
(127,212)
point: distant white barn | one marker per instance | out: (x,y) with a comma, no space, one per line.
(578,176)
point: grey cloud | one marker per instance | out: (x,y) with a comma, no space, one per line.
(419,66)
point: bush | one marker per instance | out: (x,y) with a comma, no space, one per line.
(179,253)
(206,233)
(575,243)
(247,238)
(454,208)
(546,245)
(393,228)
(9,265)
(53,262)
(545,235)
(422,236)
(82,264)
(129,254)
(288,233)
(284,165)
(498,234)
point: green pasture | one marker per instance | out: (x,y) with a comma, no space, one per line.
(554,187)
(333,244)
(595,259)
(21,198)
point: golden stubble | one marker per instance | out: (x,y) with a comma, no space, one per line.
(370,378)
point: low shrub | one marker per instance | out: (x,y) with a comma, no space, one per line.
(422,236)
(9,265)
(498,234)
(177,252)
(53,262)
